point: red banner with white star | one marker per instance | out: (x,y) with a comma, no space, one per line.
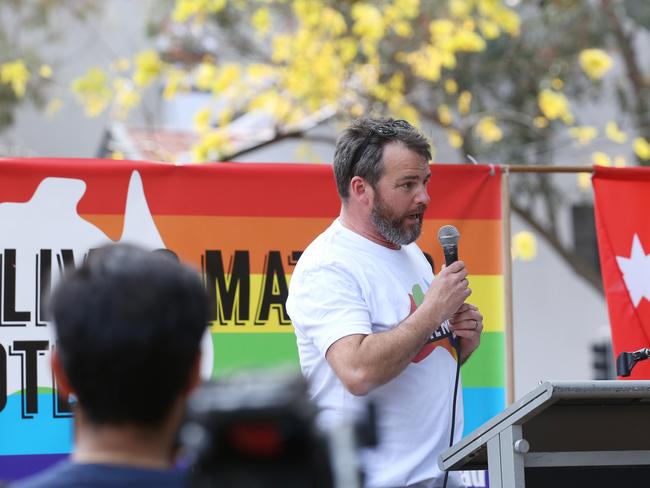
(622,199)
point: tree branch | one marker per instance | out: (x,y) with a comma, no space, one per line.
(279,137)
(575,262)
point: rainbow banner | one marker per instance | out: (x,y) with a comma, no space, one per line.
(244,227)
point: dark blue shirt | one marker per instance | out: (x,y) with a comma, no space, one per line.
(77,475)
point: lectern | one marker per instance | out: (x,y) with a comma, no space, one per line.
(564,434)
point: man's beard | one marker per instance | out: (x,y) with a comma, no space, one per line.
(394,228)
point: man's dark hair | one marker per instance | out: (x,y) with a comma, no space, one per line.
(360,149)
(129,324)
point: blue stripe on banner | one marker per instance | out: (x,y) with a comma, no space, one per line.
(42,434)
(481,404)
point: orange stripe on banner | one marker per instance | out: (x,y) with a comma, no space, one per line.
(111,225)
(479,244)
(191,236)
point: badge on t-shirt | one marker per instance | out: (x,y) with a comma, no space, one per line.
(442,337)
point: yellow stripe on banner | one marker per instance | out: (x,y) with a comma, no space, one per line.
(264,313)
(488,296)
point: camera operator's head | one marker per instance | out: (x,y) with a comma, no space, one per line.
(129,324)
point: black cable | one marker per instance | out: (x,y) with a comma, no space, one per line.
(456,343)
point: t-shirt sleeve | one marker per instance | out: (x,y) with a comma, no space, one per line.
(327,304)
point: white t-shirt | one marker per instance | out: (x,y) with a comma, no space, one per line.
(346,284)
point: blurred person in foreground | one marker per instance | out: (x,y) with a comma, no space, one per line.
(371,320)
(128,325)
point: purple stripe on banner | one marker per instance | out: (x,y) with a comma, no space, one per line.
(15,467)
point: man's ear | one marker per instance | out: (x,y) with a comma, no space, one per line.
(62,382)
(360,190)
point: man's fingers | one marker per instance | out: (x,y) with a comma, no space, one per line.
(454,267)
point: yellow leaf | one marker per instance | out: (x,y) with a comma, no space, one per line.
(148,67)
(614,133)
(444,114)
(619,162)
(451,86)
(557,84)
(441,29)
(584,181)
(642,148)
(206,74)
(93,91)
(554,105)
(357,110)
(466,41)
(524,246)
(117,155)
(464,102)
(176,80)
(261,20)
(601,159)
(45,71)
(595,63)
(454,138)
(459,8)
(126,97)
(229,75)
(259,71)
(282,49)
(583,134)
(225,116)
(184,9)
(540,122)
(408,9)
(212,146)
(16,74)
(508,20)
(489,29)
(402,28)
(368,21)
(488,130)
(202,119)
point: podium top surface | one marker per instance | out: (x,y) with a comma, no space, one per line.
(566,416)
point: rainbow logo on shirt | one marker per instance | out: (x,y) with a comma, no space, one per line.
(442,337)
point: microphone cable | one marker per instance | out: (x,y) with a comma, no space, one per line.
(456,344)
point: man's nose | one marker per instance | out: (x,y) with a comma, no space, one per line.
(423,196)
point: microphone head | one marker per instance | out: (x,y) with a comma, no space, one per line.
(448,235)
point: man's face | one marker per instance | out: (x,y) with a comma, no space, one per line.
(400,196)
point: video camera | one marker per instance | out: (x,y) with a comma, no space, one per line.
(259,429)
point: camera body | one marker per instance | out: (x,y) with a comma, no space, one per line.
(259,429)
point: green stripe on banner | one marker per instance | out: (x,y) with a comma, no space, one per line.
(234,351)
(486,368)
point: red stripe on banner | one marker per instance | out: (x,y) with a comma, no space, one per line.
(240,189)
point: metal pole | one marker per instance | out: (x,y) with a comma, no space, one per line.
(507,284)
(548,169)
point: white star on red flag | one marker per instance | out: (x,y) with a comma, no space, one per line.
(636,272)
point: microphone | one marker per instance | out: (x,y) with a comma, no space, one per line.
(627,360)
(448,236)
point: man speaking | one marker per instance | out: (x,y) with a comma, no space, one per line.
(371,320)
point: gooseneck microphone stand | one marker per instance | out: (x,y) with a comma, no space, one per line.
(627,360)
